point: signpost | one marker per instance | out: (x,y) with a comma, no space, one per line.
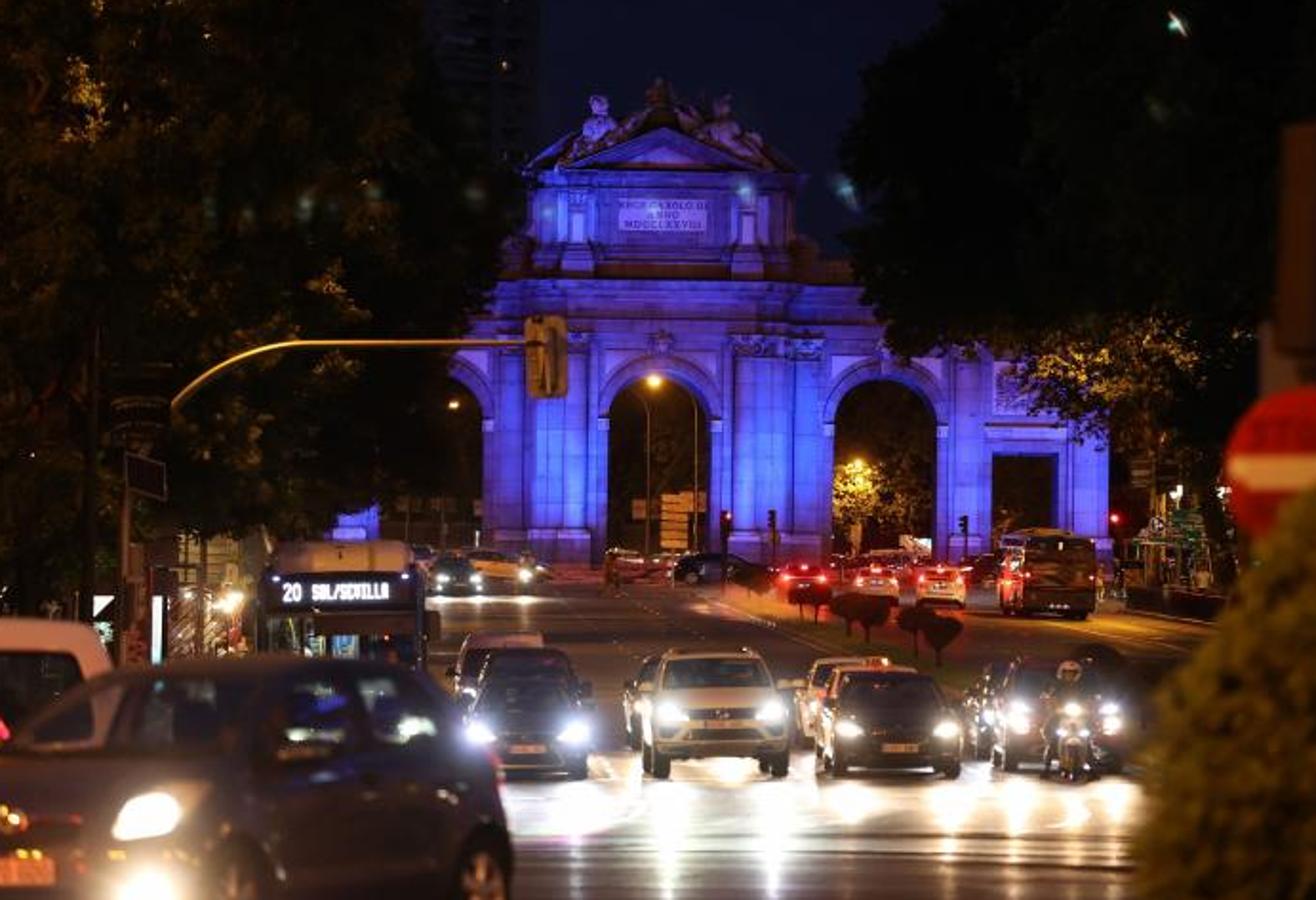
(1271,456)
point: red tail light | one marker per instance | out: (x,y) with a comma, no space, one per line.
(785,579)
(821,579)
(959,580)
(921,579)
(1028,575)
(4,732)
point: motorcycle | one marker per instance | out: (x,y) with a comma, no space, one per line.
(1073,743)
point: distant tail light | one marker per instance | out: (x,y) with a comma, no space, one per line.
(784,579)
(1028,575)
(821,579)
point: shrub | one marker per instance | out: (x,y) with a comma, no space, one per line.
(1232,794)
(940,631)
(869,612)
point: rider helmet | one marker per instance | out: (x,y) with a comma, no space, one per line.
(1069,671)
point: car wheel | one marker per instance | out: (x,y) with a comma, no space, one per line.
(840,768)
(781,764)
(646,759)
(661,765)
(579,770)
(1009,762)
(240,875)
(633,739)
(691,578)
(1079,616)
(765,765)
(981,749)
(952,771)
(481,873)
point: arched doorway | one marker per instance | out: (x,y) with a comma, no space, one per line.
(884,467)
(658,465)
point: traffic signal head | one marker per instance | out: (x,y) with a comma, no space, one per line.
(964,524)
(772,520)
(1116,518)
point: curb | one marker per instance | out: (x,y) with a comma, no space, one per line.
(1166,617)
(774,626)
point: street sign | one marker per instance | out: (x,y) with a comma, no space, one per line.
(145,476)
(1271,456)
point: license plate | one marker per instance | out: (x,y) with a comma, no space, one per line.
(940,586)
(723,723)
(527,749)
(900,748)
(15,872)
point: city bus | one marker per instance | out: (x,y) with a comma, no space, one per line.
(1047,570)
(356,599)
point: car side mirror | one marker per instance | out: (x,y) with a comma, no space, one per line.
(645,687)
(791,684)
(586,690)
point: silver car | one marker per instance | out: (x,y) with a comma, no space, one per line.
(264,777)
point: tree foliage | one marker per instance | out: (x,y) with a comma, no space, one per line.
(185,180)
(1232,797)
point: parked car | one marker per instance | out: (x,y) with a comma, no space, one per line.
(532,724)
(809,696)
(710,703)
(940,584)
(454,576)
(256,777)
(633,698)
(706,568)
(40,661)
(803,582)
(475,649)
(887,719)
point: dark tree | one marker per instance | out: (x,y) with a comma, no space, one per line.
(939,631)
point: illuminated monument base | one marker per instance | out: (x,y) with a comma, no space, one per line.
(668,241)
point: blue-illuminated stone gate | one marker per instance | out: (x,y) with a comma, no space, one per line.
(668,242)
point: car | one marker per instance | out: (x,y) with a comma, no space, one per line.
(709,703)
(706,568)
(476,647)
(455,575)
(532,724)
(878,581)
(633,699)
(904,563)
(498,566)
(41,660)
(981,570)
(255,777)
(977,711)
(803,582)
(940,584)
(808,697)
(887,719)
(543,663)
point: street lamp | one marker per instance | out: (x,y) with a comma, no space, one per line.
(654,381)
(454,404)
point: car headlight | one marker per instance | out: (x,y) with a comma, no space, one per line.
(477,578)
(946,730)
(1072,709)
(443,578)
(576,732)
(1110,709)
(1112,724)
(669,713)
(989,716)
(148,815)
(156,883)
(525,576)
(479,733)
(771,713)
(848,729)
(1020,718)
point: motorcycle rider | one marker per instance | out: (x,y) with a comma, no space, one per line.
(1067,687)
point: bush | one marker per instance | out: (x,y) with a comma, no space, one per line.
(940,631)
(911,619)
(869,612)
(1232,795)
(757,580)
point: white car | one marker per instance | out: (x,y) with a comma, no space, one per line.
(709,703)
(878,581)
(940,584)
(41,659)
(808,697)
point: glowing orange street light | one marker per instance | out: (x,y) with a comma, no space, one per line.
(454,404)
(653,381)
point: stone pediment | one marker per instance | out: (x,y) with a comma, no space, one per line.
(663,148)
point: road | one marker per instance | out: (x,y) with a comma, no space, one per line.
(720,829)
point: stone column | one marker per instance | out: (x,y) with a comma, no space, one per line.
(806,523)
(761,449)
(505,450)
(559,487)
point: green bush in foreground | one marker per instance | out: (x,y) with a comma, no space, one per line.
(1233,784)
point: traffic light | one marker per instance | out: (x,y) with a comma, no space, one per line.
(1116,519)
(964,525)
(772,520)
(726,524)
(546,357)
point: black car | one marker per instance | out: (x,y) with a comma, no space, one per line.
(706,568)
(261,777)
(981,570)
(885,719)
(541,663)
(455,575)
(532,725)
(802,582)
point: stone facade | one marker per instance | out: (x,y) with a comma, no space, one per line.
(670,251)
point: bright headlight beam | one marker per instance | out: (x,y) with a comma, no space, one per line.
(669,713)
(946,729)
(479,733)
(576,732)
(849,730)
(145,816)
(773,712)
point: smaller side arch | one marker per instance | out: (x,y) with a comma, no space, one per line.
(917,380)
(465,373)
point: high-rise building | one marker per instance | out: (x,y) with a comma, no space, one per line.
(488,53)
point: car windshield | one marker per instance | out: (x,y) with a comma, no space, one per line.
(528,665)
(824,670)
(709,673)
(170,715)
(882,694)
(521,697)
(30,681)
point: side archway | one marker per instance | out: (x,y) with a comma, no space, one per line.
(917,380)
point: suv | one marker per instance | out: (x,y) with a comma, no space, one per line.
(708,703)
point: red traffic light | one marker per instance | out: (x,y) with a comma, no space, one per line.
(1116,518)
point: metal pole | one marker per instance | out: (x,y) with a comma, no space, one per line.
(648,474)
(694,406)
(124,614)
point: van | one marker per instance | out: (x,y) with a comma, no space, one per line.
(40,661)
(1047,570)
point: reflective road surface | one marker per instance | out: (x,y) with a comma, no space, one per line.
(719,829)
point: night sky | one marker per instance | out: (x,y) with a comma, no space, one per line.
(793,68)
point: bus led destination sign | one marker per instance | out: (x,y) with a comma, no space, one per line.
(343,591)
(662,214)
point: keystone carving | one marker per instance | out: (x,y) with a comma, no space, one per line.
(754,345)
